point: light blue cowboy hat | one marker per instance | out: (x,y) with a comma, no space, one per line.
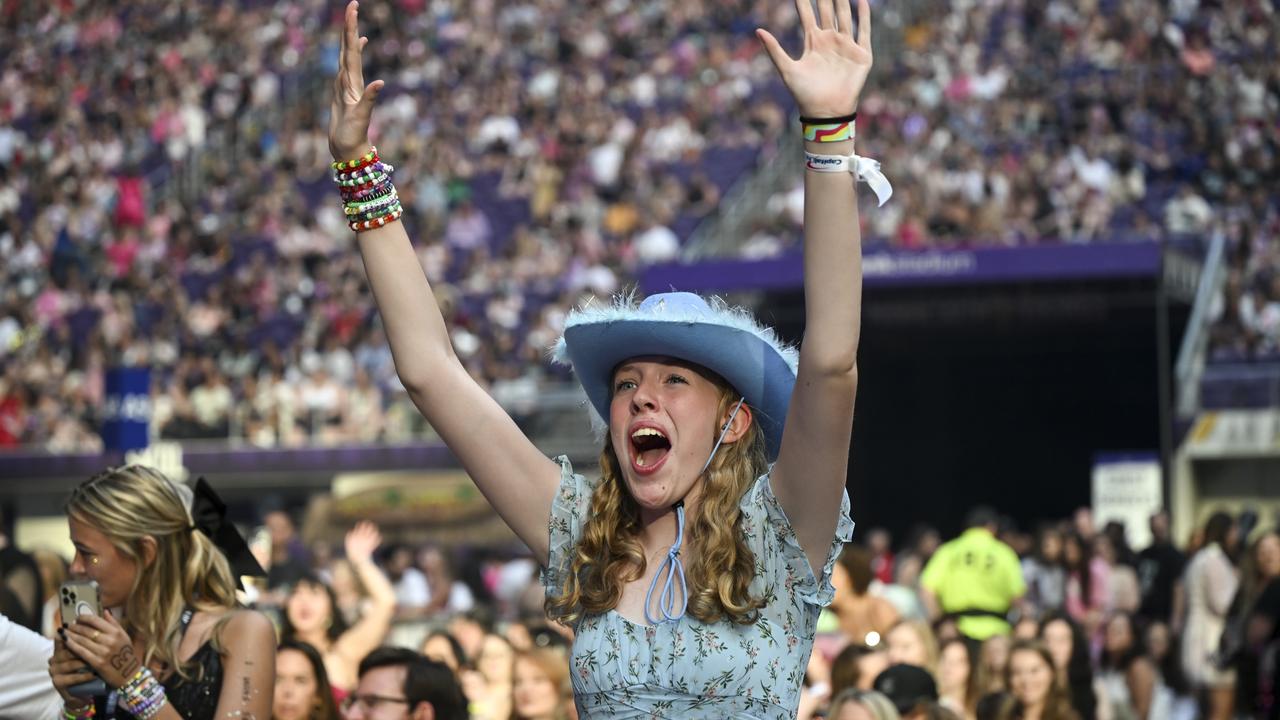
(726,340)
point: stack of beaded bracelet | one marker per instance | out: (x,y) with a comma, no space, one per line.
(143,696)
(369,198)
(84,712)
(829,129)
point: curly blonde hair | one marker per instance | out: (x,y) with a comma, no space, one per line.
(131,503)
(609,554)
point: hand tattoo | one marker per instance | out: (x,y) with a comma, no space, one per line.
(125,661)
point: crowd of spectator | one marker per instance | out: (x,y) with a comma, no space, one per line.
(1013,123)
(164,198)
(955,629)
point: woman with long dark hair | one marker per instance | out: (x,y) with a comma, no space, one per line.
(1070,654)
(312,614)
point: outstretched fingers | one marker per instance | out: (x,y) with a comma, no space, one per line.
(844,13)
(352,47)
(807,21)
(827,13)
(864,24)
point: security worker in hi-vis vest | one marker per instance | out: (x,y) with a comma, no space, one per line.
(974,579)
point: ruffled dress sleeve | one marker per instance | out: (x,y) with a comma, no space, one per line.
(568,511)
(788,563)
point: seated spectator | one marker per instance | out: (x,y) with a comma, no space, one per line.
(302,687)
(399,684)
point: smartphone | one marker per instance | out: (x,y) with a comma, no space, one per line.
(81,597)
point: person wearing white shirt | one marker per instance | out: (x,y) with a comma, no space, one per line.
(25,688)
(412,591)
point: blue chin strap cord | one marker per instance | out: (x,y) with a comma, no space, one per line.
(668,605)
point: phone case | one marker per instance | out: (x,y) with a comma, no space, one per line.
(82,597)
(79,597)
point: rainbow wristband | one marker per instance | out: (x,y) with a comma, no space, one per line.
(829,132)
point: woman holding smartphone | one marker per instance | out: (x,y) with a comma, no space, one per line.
(172,643)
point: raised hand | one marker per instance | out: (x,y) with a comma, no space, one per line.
(828,78)
(362,540)
(353,101)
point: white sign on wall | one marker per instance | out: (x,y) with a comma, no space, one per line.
(1129,489)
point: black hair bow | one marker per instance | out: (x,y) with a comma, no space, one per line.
(209,516)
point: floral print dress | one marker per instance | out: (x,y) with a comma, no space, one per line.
(688,668)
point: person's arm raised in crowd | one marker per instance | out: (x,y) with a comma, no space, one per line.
(375,622)
(516,478)
(826,81)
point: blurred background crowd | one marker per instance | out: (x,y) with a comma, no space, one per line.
(165,200)
(1172,630)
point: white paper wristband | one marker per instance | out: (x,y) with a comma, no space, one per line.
(864,169)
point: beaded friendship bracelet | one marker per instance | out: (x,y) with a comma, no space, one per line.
(375,207)
(378,222)
(143,696)
(369,198)
(367,159)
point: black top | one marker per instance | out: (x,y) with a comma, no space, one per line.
(194,699)
(1159,568)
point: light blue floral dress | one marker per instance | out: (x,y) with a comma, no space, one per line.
(691,669)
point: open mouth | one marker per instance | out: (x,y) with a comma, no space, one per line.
(649,447)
